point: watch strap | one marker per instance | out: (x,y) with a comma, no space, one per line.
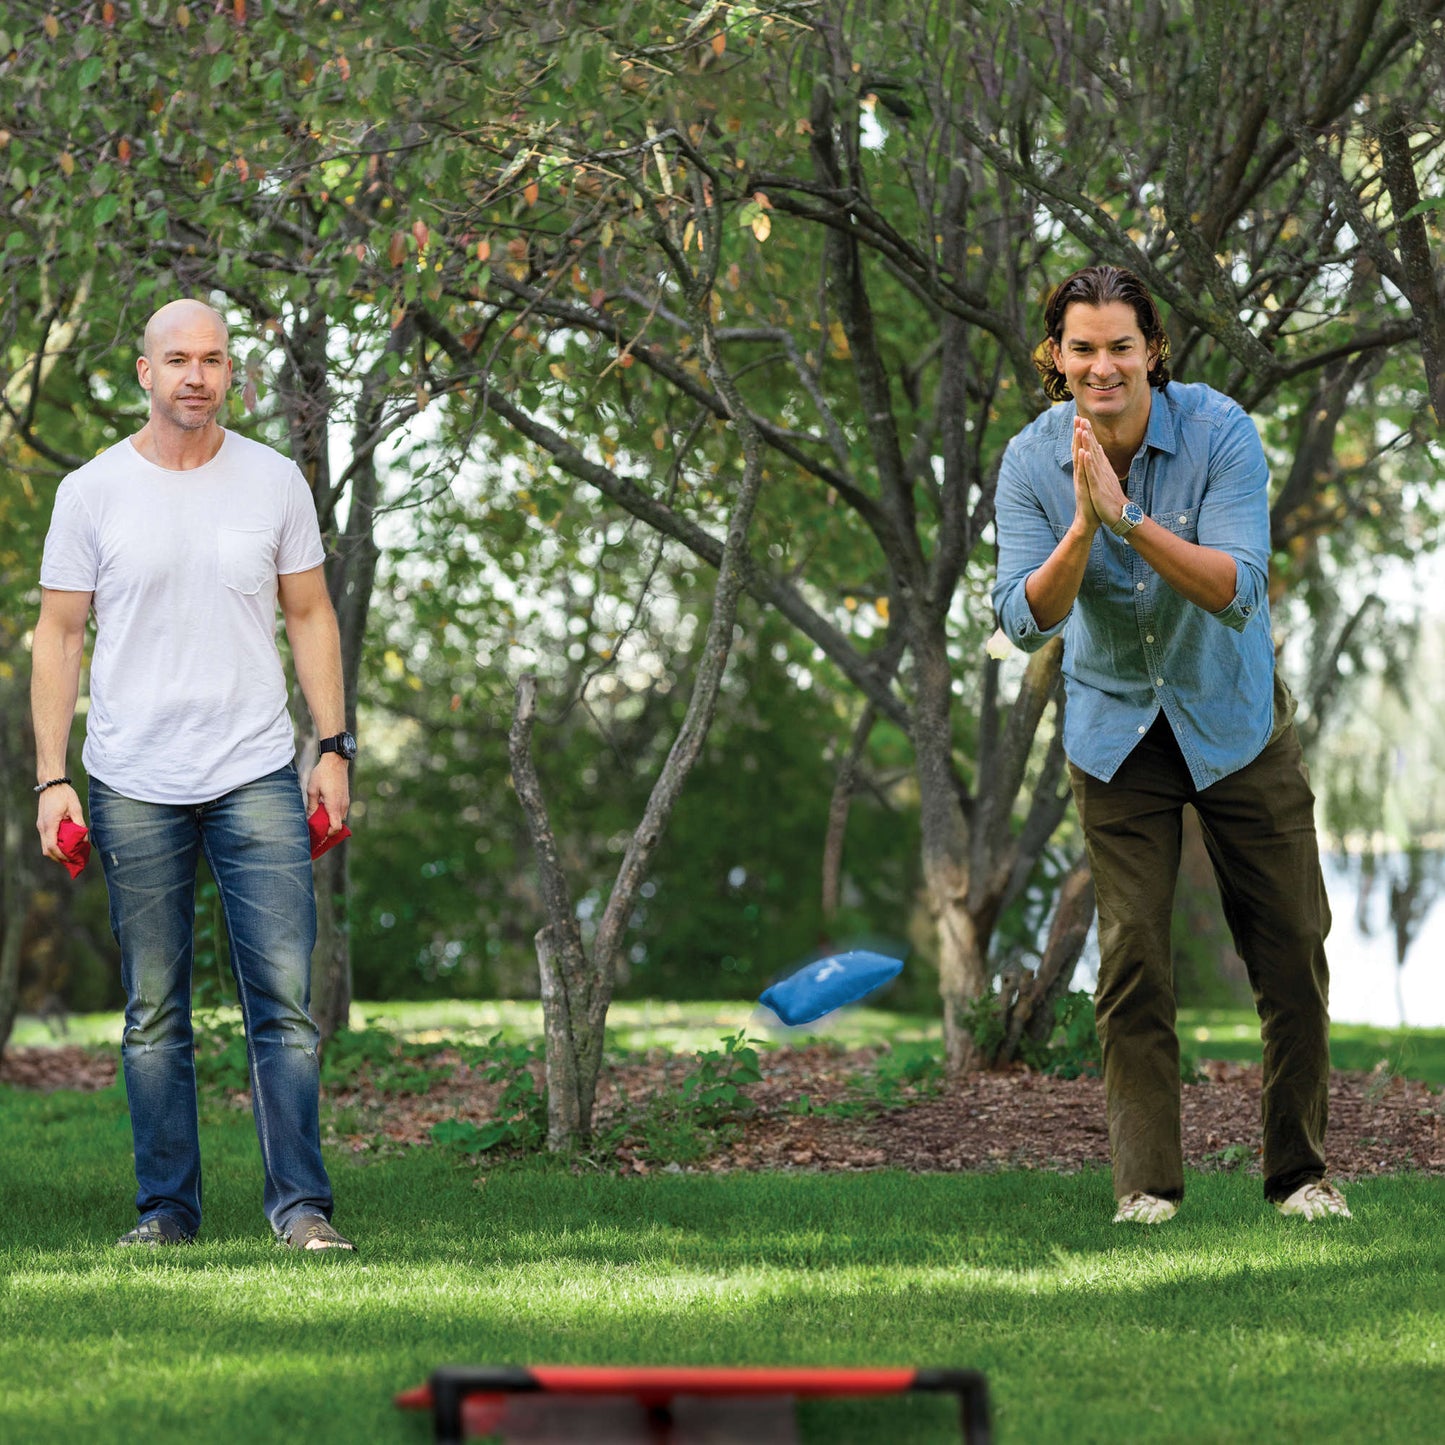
(342,743)
(1126,523)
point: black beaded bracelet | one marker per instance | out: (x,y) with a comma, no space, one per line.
(53,783)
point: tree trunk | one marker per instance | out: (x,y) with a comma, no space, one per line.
(12,919)
(562,962)
(962,946)
(331,958)
(1417,264)
(351,579)
(1031,1013)
(576,989)
(13,869)
(351,576)
(963,973)
(838,814)
(567,974)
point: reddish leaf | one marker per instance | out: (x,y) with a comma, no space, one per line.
(419,230)
(397,251)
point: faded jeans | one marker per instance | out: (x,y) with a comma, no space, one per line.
(255,841)
(1258,826)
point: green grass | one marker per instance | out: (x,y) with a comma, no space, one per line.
(639,1024)
(1230,1324)
(1234,1034)
(648,1023)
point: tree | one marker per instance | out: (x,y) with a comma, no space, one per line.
(577,989)
(467,223)
(928,174)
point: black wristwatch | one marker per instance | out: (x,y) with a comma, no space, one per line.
(343,743)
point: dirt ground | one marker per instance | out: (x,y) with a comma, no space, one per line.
(1379,1123)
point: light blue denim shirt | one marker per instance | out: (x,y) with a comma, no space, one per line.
(1132,644)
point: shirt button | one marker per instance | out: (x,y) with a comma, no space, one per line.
(1149,638)
(1158,682)
(1182,519)
(1141,732)
(1246,609)
(1138,586)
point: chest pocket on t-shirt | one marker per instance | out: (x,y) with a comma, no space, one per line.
(246,559)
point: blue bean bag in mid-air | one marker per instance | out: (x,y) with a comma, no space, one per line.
(829,983)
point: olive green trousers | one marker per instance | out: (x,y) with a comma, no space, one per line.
(1259,828)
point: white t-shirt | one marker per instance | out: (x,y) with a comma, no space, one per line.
(187,692)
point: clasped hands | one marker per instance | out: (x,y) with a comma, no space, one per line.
(1098,496)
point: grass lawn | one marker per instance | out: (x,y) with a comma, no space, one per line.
(646,1023)
(1230,1324)
(632,1024)
(1234,1034)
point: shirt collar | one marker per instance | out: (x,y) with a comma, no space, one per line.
(1160,433)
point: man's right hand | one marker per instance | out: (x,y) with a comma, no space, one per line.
(57,803)
(1086,515)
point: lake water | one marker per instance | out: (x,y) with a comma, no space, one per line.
(1365,985)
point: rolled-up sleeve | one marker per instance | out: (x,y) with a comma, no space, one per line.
(1234,513)
(1025,541)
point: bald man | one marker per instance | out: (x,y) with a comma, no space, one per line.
(182,539)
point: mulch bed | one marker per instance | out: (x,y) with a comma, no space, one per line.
(1379,1123)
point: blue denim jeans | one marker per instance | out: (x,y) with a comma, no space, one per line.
(255,840)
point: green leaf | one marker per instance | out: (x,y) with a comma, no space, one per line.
(1420,208)
(89,72)
(222,68)
(105,209)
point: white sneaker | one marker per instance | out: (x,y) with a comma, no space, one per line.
(1141,1208)
(1316,1200)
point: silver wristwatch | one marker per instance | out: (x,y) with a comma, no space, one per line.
(1129,518)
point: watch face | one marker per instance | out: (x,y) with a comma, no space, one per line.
(1133,513)
(343,744)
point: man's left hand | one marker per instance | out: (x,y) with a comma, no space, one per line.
(1104,488)
(330,785)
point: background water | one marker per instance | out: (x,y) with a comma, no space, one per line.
(1366,986)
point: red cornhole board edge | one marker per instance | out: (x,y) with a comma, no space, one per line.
(451,1384)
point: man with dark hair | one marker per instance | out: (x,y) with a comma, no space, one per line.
(181,540)
(1134,520)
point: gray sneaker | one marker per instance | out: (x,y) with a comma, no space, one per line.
(1142,1208)
(154,1232)
(1316,1200)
